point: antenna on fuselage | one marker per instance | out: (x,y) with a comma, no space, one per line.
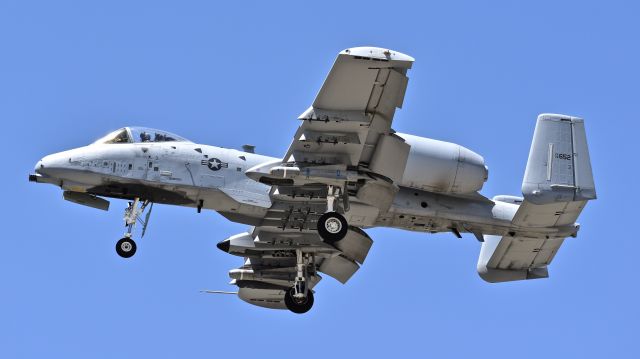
(249,148)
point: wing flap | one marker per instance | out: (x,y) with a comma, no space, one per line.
(339,267)
(388,92)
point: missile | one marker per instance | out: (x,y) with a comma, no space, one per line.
(278,173)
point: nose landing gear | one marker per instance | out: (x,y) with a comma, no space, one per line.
(126,247)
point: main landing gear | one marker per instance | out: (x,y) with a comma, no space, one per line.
(126,247)
(332,226)
(299,298)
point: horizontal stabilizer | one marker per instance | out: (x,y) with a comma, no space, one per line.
(505,259)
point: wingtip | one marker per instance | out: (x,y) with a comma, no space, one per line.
(377,53)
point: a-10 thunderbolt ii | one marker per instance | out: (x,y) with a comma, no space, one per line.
(345,170)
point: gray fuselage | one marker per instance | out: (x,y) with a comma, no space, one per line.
(209,177)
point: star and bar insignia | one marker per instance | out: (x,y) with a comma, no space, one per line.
(214,164)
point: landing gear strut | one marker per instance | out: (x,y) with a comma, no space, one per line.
(126,247)
(299,298)
(332,226)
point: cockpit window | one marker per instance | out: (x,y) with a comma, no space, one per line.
(117,136)
(143,134)
(139,135)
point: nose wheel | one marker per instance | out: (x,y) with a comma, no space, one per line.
(126,247)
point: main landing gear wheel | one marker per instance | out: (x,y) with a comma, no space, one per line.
(298,305)
(332,227)
(126,247)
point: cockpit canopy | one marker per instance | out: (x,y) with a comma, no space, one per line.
(139,135)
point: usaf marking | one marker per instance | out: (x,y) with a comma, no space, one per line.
(214,164)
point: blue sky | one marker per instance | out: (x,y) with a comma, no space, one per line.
(241,72)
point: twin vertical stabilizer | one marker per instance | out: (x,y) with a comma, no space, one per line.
(557,184)
(559,167)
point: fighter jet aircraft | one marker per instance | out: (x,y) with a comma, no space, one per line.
(346,170)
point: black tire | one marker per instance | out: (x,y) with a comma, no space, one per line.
(298,306)
(126,247)
(332,227)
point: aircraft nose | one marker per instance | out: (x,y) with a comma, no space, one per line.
(38,167)
(58,167)
(52,165)
(43,170)
(45,165)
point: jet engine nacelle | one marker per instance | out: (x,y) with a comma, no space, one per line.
(444,167)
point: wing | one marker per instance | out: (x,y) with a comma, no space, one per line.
(353,109)
(344,145)
(270,261)
(344,158)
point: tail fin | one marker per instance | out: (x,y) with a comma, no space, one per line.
(559,168)
(558,180)
(557,185)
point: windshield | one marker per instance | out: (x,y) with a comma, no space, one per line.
(144,134)
(117,136)
(138,135)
